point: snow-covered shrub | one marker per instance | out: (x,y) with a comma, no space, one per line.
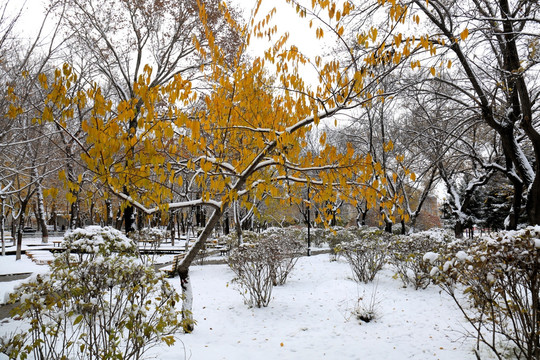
(406,254)
(367,254)
(264,262)
(284,246)
(95,241)
(254,273)
(154,236)
(501,279)
(150,239)
(318,236)
(231,239)
(108,306)
(336,238)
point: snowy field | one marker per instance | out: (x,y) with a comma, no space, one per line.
(311,317)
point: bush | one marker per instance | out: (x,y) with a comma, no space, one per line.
(149,238)
(501,279)
(407,256)
(284,247)
(108,305)
(263,263)
(254,273)
(153,236)
(337,238)
(366,255)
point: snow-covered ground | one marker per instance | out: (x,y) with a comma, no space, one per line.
(311,317)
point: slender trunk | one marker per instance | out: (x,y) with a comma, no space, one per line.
(109,213)
(183,269)
(187,303)
(226,224)
(41,215)
(2,223)
(22,219)
(119,220)
(92,212)
(172,227)
(54,218)
(237,224)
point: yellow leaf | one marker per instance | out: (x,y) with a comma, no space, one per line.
(464,34)
(432,71)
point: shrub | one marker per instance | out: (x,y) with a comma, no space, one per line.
(250,262)
(150,238)
(109,305)
(367,254)
(407,256)
(337,238)
(501,279)
(264,262)
(284,247)
(153,236)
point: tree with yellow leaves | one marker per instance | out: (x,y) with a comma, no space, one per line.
(241,134)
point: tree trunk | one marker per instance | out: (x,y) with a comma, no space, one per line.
(515,210)
(187,303)
(22,219)
(458,229)
(41,215)
(533,200)
(74,215)
(226,224)
(388,227)
(172,227)
(129,219)
(237,224)
(109,214)
(183,269)
(119,220)
(54,218)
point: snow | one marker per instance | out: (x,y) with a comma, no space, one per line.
(311,317)
(431,257)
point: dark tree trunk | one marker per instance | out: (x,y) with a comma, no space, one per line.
(459,229)
(74,215)
(226,224)
(22,219)
(172,227)
(513,217)
(119,220)
(533,200)
(129,219)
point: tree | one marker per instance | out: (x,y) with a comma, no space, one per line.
(242,136)
(493,45)
(121,36)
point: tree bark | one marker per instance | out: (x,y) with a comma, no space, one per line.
(183,269)
(41,215)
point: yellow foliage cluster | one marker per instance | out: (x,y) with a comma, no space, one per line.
(242,133)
